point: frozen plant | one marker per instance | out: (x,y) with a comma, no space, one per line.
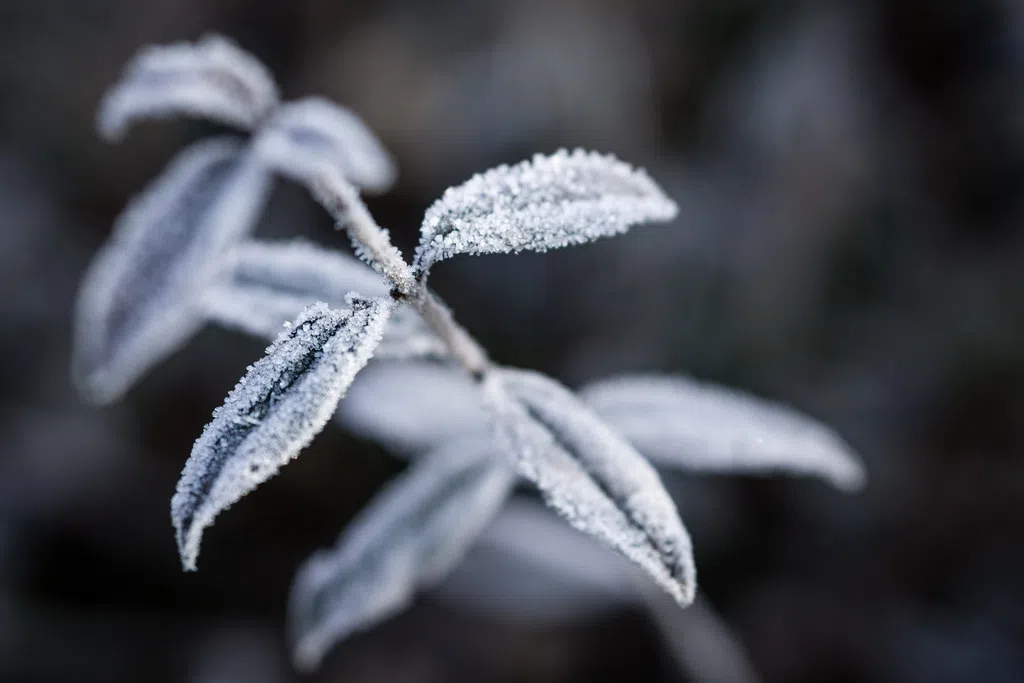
(181,256)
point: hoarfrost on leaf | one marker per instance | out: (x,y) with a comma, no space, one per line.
(212,78)
(311,136)
(269,283)
(407,538)
(412,407)
(545,203)
(591,476)
(274,411)
(682,423)
(140,299)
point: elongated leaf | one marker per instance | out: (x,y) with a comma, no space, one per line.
(548,202)
(306,137)
(276,409)
(680,422)
(412,407)
(270,283)
(140,298)
(408,537)
(591,476)
(212,78)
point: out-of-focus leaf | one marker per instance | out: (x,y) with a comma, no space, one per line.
(545,203)
(591,476)
(408,537)
(212,78)
(307,137)
(140,298)
(682,423)
(274,411)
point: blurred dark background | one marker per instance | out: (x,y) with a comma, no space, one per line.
(851,241)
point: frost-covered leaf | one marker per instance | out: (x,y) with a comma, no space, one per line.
(548,202)
(592,476)
(140,298)
(269,283)
(411,407)
(407,538)
(212,78)
(274,411)
(308,136)
(680,422)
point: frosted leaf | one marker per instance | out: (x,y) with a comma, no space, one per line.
(407,538)
(212,78)
(682,423)
(411,407)
(140,297)
(548,202)
(269,283)
(306,137)
(274,411)
(592,476)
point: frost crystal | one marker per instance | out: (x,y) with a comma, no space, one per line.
(549,202)
(413,407)
(591,476)
(407,538)
(140,298)
(213,78)
(269,283)
(274,411)
(305,138)
(680,422)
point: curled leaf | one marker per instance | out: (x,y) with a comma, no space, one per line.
(412,407)
(140,298)
(680,422)
(269,283)
(308,137)
(274,411)
(591,476)
(407,538)
(212,78)
(548,202)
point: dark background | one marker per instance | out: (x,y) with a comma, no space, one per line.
(851,241)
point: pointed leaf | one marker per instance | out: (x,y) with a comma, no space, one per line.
(591,476)
(307,137)
(408,537)
(548,202)
(140,298)
(680,422)
(274,411)
(411,407)
(212,78)
(272,282)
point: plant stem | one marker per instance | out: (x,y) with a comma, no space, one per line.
(342,200)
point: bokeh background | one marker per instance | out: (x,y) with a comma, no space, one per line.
(851,241)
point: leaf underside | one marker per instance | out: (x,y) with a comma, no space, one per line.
(274,411)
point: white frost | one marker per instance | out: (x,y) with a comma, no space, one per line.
(682,423)
(407,538)
(212,78)
(274,411)
(548,202)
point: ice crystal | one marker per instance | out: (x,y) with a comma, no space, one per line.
(274,411)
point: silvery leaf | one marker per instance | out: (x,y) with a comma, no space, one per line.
(212,78)
(682,423)
(140,297)
(411,407)
(274,411)
(407,538)
(269,283)
(591,476)
(306,137)
(545,203)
